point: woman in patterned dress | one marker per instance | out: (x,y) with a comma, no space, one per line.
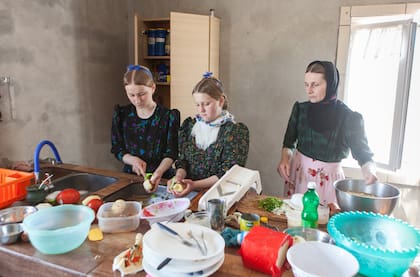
(320,134)
(144,134)
(211,142)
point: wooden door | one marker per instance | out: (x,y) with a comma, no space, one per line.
(189,58)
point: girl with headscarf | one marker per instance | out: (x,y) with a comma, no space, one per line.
(320,133)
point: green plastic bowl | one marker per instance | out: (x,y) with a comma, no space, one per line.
(59,229)
(383,245)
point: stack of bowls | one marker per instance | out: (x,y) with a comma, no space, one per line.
(383,245)
(11,228)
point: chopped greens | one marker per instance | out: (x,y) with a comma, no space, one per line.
(270,203)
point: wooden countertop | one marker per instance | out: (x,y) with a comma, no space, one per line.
(95,258)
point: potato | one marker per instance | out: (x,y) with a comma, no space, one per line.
(176,187)
(118,207)
(148,186)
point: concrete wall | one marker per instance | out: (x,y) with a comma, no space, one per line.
(66,60)
(265,47)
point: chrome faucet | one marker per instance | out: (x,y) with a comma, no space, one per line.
(36,156)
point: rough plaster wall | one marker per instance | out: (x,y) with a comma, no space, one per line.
(265,47)
(66,60)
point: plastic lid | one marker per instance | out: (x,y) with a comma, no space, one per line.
(311,185)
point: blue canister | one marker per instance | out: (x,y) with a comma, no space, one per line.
(160,41)
(151,42)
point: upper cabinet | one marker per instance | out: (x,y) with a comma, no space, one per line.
(178,50)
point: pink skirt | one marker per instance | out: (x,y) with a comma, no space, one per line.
(304,169)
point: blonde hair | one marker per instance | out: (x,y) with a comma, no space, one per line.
(138,75)
(212,87)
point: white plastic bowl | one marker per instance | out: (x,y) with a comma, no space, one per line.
(313,258)
(172,209)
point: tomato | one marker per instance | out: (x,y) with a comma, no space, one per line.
(68,196)
(147,213)
(94,204)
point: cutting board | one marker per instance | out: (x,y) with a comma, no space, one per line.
(249,204)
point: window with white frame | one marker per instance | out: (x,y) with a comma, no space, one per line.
(378,57)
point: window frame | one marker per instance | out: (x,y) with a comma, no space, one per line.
(347,13)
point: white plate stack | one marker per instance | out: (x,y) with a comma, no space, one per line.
(185,260)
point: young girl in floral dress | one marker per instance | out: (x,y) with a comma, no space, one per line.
(211,142)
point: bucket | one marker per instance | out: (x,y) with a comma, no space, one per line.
(151,42)
(160,41)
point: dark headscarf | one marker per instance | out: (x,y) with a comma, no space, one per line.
(321,115)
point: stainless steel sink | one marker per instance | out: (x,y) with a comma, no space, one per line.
(136,192)
(66,178)
(82,181)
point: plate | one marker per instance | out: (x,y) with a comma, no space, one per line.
(177,265)
(162,243)
(165,272)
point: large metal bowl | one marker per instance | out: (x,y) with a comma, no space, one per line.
(355,195)
(15,214)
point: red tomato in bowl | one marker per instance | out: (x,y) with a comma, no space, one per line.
(68,196)
(94,204)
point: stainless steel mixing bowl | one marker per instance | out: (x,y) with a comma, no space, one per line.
(309,234)
(15,214)
(10,233)
(355,195)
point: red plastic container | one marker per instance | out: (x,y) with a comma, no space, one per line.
(13,185)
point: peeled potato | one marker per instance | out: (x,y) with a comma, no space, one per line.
(147,185)
(118,207)
(177,187)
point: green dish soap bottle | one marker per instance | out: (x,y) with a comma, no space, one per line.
(310,207)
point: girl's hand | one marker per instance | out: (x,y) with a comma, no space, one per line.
(188,187)
(139,166)
(155,180)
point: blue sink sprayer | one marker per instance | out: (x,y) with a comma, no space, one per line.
(36,156)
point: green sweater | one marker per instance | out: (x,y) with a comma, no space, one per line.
(332,145)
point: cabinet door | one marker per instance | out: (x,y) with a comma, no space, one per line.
(189,58)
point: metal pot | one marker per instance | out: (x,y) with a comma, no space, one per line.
(356,195)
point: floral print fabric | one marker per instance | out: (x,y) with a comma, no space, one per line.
(304,169)
(230,148)
(150,139)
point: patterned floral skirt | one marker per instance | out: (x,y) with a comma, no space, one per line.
(304,169)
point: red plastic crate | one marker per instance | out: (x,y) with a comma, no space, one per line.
(13,185)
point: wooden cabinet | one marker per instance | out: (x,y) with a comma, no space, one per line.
(193,49)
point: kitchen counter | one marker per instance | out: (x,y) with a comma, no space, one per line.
(95,258)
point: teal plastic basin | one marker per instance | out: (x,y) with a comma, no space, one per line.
(383,245)
(58,229)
